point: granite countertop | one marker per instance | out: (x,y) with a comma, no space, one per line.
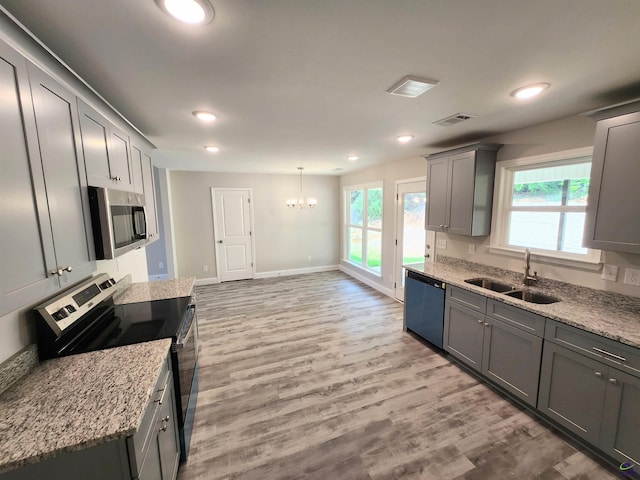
(608,314)
(160,290)
(71,403)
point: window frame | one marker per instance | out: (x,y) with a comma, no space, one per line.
(364,227)
(502,208)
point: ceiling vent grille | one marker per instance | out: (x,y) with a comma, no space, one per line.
(412,87)
(453,119)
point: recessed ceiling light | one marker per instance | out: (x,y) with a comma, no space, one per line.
(195,12)
(212,149)
(529,91)
(412,87)
(205,116)
(405,138)
(352,158)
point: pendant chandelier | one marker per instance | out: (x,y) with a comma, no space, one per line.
(300,201)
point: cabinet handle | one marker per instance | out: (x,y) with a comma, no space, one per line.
(480,321)
(486,324)
(163,428)
(613,381)
(598,374)
(604,352)
(58,272)
(68,268)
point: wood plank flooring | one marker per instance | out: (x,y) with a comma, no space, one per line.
(311,377)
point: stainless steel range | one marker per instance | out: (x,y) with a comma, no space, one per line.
(85,318)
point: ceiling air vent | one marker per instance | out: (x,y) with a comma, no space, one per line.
(453,119)
(412,87)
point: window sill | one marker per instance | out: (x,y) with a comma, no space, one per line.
(364,269)
(593,264)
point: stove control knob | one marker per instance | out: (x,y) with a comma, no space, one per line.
(60,314)
(70,308)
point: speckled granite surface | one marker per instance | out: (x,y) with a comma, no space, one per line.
(607,314)
(71,403)
(146,291)
(16,367)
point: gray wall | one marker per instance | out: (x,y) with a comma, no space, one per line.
(557,135)
(284,238)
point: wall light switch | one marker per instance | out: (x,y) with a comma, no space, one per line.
(472,249)
(205,268)
(609,272)
(632,277)
(441,243)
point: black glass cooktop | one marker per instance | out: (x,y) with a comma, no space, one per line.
(132,323)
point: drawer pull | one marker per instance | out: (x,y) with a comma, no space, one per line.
(604,352)
(598,374)
(486,324)
(613,381)
(480,321)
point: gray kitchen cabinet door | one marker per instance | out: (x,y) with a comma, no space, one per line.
(26,242)
(168,442)
(150,198)
(64,177)
(572,391)
(462,180)
(612,221)
(136,165)
(620,435)
(120,159)
(511,358)
(94,132)
(464,334)
(437,193)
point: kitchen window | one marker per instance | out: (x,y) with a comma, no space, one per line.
(363,226)
(540,204)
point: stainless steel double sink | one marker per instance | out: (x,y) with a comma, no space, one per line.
(511,291)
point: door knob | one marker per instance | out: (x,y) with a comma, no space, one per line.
(219,241)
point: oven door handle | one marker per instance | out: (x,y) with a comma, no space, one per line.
(176,347)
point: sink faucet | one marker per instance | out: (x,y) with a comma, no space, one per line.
(528,279)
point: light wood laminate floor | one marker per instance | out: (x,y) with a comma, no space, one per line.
(311,377)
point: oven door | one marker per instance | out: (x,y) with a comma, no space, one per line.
(185,355)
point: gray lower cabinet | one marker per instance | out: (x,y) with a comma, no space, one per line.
(597,402)
(612,221)
(460,190)
(495,339)
(152,453)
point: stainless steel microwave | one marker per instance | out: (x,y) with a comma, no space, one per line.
(119,221)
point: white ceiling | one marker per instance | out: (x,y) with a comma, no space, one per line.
(302,82)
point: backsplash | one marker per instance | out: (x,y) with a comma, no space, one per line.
(626,302)
(16,367)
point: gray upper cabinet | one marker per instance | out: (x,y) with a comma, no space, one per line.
(136,164)
(460,190)
(150,198)
(64,177)
(106,151)
(24,214)
(612,220)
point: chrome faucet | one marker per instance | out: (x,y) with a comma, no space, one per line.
(527,279)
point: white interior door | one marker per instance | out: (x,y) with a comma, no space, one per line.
(232,225)
(413,243)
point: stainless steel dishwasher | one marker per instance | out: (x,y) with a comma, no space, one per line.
(424,306)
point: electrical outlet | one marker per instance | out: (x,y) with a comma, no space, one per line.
(632,277)
(609,272)
(205,268)
(441,243)
(160,265)
(472,249)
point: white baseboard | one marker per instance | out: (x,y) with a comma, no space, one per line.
(367,281)
(296,271)
(207,281)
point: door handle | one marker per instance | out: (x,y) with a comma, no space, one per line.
(219,241)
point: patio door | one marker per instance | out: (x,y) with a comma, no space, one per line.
(413,243)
